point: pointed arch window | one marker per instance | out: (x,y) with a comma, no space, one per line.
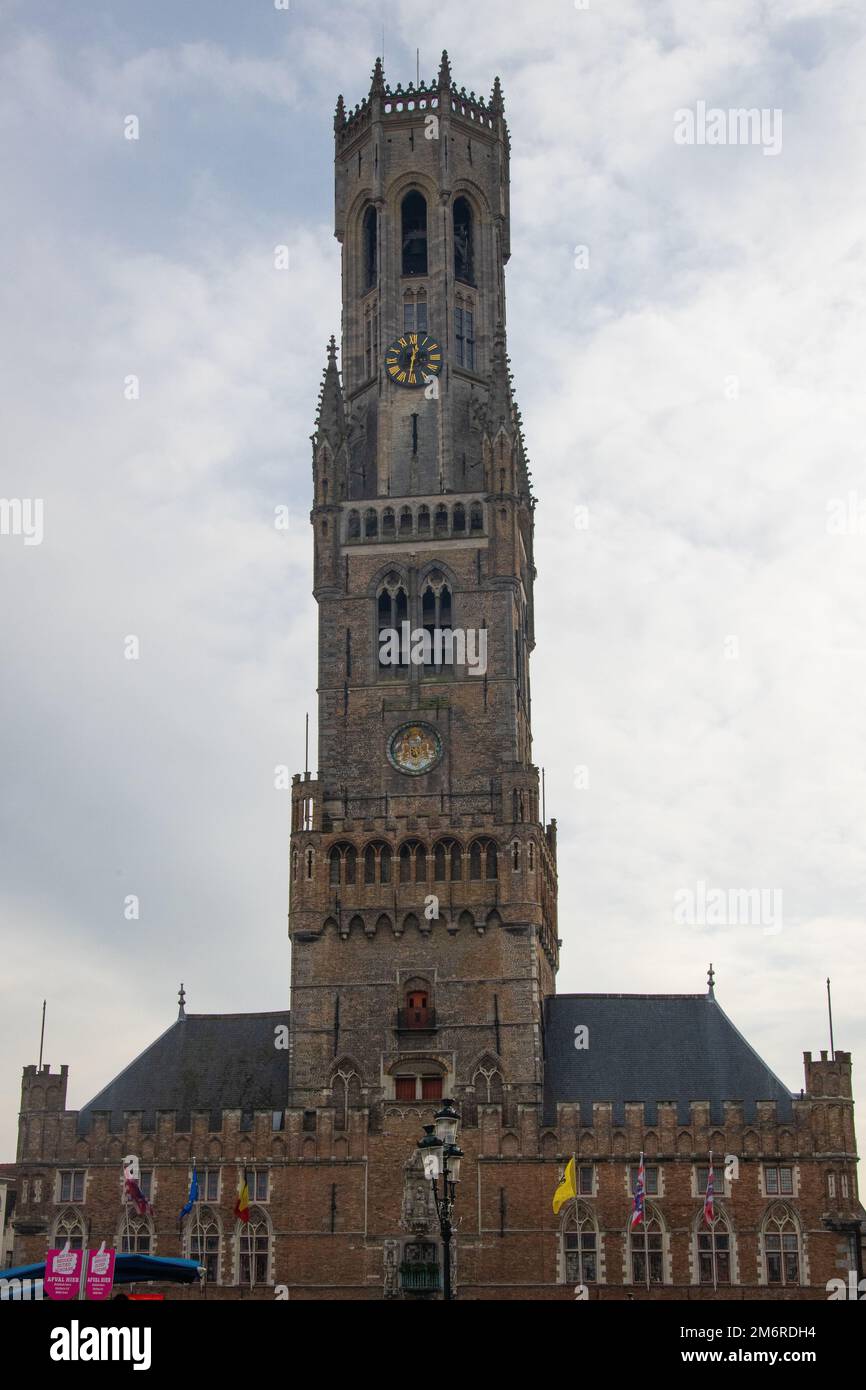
(202,1240)
(580,1245)
(353,530)
(782,1246)
(476,517)
(447,862)
(413,862)
(714,1250)
(437,617)
(371,522)
(135,1236)
(69,1226)
(413,215)
(253,1246)
(392,607)
(463,242)
(346,1092)
(423,521)
(369,238)
(646,1242)
(377,863)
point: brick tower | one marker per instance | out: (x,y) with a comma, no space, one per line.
(423,883)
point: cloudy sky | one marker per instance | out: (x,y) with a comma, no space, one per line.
(693,405)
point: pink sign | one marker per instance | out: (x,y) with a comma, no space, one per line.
(63,1273)
(100,1273)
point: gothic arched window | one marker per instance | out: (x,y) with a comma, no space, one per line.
(781,1246)
(371,522)
(437,616)
(463,249)
(202,1239)
(476,517)
(369,239)
(353,531)
(714,1250)
(447,862)
(253,1248)
(135,1236)
(392,607)
(647,1241)
(406,521)
(69,1226)
(423,521)
(346,1092)
(579,1235)
(413,862)
(414,233)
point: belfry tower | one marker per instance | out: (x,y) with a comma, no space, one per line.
(423,883)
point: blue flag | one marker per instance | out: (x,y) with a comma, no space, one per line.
(193,1193)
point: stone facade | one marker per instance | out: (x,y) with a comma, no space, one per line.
(423,910)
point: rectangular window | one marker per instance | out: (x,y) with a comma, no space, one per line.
(845,1186)
(257,1182)
(651,1176)
(408,315)
(779,1181)
(255,1246)
(145,1182)
(831,1184)
(703,1172)
(458,329)
(722,1257)
(72,1185)
(404,1087)
(431,1087)
(421,316)
(469,332)
(638,1260)
(585,1180)
(783,1259)
(580,1261)
(209,1185)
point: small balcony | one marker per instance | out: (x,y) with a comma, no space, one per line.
(416,1020)
(420,1278)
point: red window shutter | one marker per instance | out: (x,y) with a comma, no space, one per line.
(405,1087)
(431,1087)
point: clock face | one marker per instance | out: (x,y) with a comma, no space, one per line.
(412,358)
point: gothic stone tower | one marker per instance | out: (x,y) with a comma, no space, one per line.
(423,884)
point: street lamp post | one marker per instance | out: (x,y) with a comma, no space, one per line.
(441,1158)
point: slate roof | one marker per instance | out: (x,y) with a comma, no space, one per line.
(208,1062)
(651,1048)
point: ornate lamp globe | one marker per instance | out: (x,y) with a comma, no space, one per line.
(455,1158)
(446,1121)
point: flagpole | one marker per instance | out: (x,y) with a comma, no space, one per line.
(713,1224)
(577,1222)
(645,1227)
